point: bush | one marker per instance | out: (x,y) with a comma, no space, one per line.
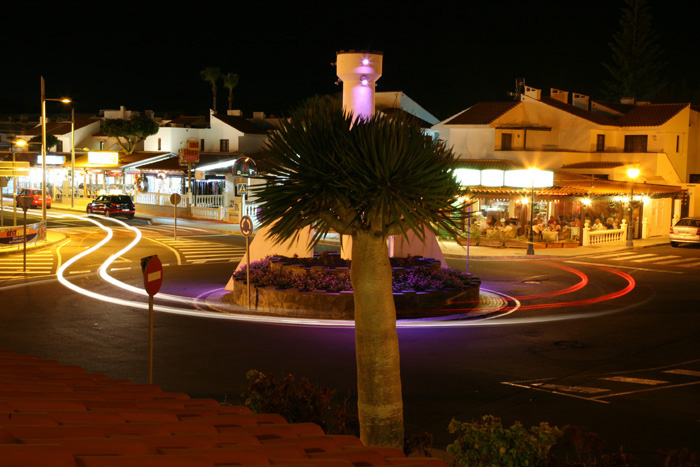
(300,401)
(486,443)
(417,279)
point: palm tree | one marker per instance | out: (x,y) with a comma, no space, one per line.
(211,74)
(230,82)
(368,179)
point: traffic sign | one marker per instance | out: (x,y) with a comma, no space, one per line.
(175,199)
(246,226)
(24,201)
(241,188)
(152,274)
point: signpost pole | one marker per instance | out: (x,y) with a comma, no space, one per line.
(152,278)
(24,243)
(246,226)
(175,199)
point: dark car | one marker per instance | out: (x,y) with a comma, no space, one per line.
(686,230)
(112,205)
(36,198)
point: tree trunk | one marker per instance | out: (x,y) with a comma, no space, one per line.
(380,404)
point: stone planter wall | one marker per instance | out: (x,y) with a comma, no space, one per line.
(325,305)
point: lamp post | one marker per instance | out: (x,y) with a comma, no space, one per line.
(632,173)
(65,100)
(530,178)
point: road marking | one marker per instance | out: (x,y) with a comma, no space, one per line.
(577,389)
(645,260)
(613,255)
(624,379)
(681,371)
(80,272)
(690,265)
(682,260)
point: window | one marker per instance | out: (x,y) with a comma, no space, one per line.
(506,141)
(600,143)
(223,145)
(59,146)
(636,143)
(159,144)
(678,143)
(201,144)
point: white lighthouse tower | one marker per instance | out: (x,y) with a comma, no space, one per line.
(359,72)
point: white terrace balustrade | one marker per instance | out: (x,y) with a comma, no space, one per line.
(604,237)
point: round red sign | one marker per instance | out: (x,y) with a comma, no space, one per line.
(153,275)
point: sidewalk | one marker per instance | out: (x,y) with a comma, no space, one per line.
(449,249)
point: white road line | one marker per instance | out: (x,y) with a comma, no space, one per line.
(612,255)
(625,379)
(646,260)
(681,371)
(577,389)
(673,261)
(692,265)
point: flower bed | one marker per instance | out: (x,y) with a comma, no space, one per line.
(305,287)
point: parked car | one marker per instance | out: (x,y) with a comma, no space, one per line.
(112,205)
(36,198)
(686,230)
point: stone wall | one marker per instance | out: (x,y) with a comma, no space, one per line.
(324,305)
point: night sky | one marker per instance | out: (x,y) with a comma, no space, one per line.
(445,55)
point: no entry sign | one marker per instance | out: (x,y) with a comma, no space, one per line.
(152,274)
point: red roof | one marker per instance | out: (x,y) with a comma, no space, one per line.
(58,415)
(650,114)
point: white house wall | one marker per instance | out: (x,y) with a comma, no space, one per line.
(172,139)
(83,137)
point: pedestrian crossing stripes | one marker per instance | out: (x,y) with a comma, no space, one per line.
(149,231)
(200,251)
(38,264)
(649,258)
(603,387)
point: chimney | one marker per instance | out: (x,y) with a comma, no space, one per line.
(627,100)
(559,95)
(532,93)
(581,101)
(234,113)
(258,115)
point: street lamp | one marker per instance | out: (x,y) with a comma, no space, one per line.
(632,173)
(530,178)
(65,100)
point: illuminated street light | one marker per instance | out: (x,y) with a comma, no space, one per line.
(530,178)
(631,173)
(65,100)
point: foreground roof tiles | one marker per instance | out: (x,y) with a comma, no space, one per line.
(57,415)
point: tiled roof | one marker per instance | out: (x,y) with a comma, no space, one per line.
(579,112)
(241,124)
(593,165)
(482,113)
(650,115)
(572,184)
(485,113)
(58,415)
(484,164)
(60,128)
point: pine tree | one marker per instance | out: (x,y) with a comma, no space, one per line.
(637,65)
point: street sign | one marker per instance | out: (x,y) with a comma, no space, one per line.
(152,274)
(190,153)
(24,201)
(246,226)
(175,199)
(241,188)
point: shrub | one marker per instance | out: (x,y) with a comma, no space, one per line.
(300,401)
(417,279)
(487,443)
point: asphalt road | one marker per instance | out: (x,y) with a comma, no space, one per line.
(610,344)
